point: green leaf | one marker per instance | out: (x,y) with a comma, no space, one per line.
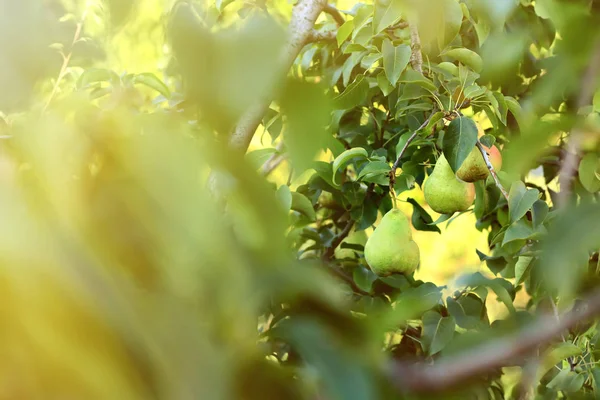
(412,303)
(467,311)
(152,81)
(556,354)
(421,220)
(364,278)
(412,76)
(521,268)
(375,169)
(284,195)
(385,86)
(522,230)
(567,381)
(498,285)
(368,61)
(361,19)
(438,331)
(520,200)
(343,159)
(459,139)
(502,107)
(344,32)
(395,60)
(355,94)
(302,204)
(487,140)
(539,211)
(467,57)
(95,75)
(589,172)
(386,13)
(307,109)
(257,158)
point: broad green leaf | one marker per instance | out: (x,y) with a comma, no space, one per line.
(375,168)
(459,139)
(284,195)
(343,159)
(539,211)
(441,218)
(412,303)
(498,285)
(368,60)
(487,140)
(386,13)
(344,32)
(355,94)
(467,311)
(589,172)
(502,107)
(395,60)
(434,120)
(438,331)
(522,230)
(515,109)
(364,278)
(412,76)
(467,57)
(420,219)
(257,158)
(448,67)
(520,200)
(305,137)
(302,204)
(567,381)
(385,86)
(95,75)
(521,268)
(350,64)
(556,354)
(364,15)
(152,81)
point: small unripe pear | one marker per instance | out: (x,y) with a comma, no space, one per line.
(444,192)
(474,167)
(390,249)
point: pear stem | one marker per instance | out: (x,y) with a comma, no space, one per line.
(408,142)
(489,165)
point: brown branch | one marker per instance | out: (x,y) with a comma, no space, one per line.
(273,161)
(335,14)
(490,167)
(447,373)
(416,58)
(320,36)
(408,142)
(569,164)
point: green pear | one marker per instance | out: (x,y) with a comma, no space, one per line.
(444,192)
(390,249)
(474,168)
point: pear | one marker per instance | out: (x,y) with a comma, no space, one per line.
(444,192)
(474,168)
(390,249)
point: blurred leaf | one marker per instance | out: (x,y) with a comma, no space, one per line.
(284,195)
(567,381)
(153,82)
(498,285)
(343,376)
(119,10)
(386,13)
(467,57)
(555,354)
(395,59)
(307,110)
(467,311)
(539,211)
(439,22)
(589,172)
(95,75)
(438,331)
(257,158)
(303,205)
(355,94)
(520,200)
(459,140)
(364,278)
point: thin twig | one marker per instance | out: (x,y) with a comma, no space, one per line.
(408,142)
(335,13)
(66,61)
(416,58)
(490,167)
(273,161)
(486,357)
(569,164)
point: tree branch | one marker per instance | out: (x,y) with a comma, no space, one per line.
(408,142)
(273,161)
(416,58)
(335,13)
(304,15)
(569,164)
(320,36)
(490,167)
(481,359)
